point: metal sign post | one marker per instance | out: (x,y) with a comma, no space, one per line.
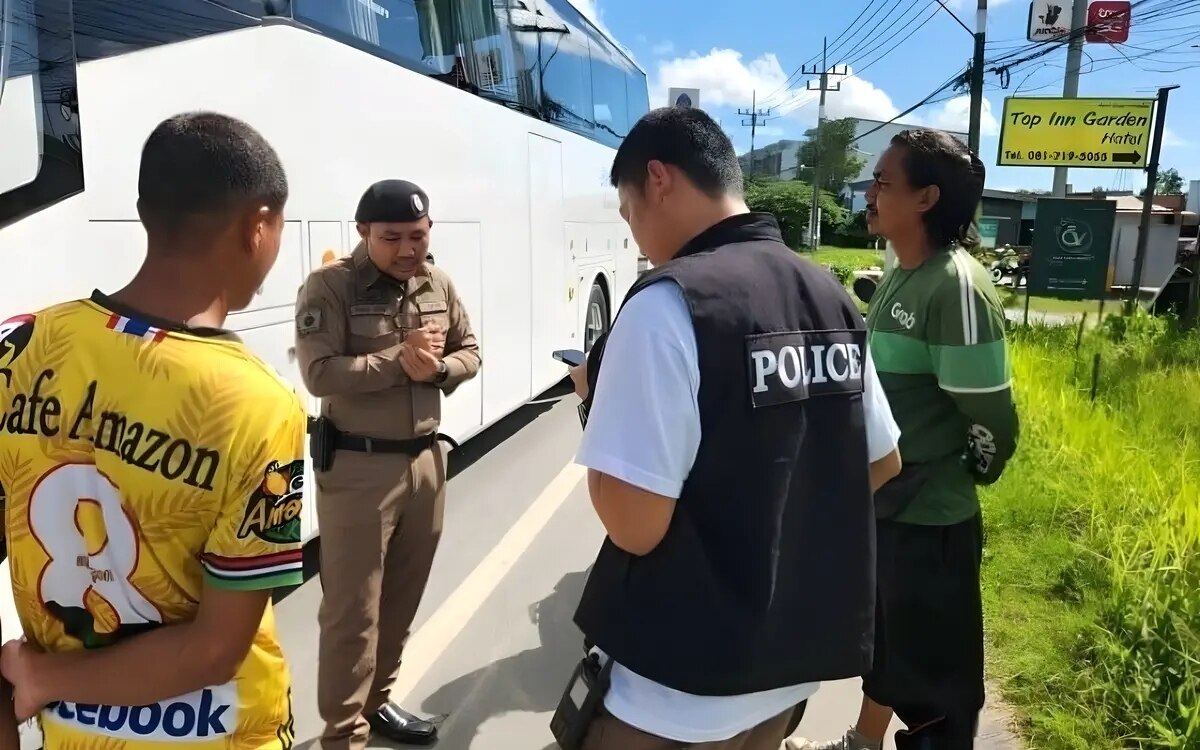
(1139,260)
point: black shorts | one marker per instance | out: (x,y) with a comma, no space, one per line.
(928,622)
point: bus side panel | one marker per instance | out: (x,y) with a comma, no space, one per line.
(457,250)
(552,321)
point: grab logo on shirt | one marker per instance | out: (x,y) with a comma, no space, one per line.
(202,716)
(904,318)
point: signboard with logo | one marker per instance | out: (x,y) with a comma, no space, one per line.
(1108,21)
(683,97)
(1072,247)
(1049,20)
(989,230)
(1056,132)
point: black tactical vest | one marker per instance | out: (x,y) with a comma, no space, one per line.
(766,576)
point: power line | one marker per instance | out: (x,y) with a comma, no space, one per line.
(756,116)
(849,51)
(798,72)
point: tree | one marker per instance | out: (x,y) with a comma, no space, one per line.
(790,202)
(836,163)
(1169,183)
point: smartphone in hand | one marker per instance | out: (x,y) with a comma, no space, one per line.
(570,357)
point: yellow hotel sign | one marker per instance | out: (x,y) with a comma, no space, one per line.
(1052,132)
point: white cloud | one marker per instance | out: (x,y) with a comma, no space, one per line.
(1171,138)
(726,79)
(955,115)
(662,49)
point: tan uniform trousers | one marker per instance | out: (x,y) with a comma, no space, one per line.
(610,733)
(380,520)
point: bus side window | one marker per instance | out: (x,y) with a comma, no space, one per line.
(40,151)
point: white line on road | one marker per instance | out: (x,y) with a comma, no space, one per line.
(439,631)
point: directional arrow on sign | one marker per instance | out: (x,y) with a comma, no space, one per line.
(1127,158)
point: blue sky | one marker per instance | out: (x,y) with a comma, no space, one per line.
(730,49)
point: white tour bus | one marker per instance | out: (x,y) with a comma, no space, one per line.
(507,112)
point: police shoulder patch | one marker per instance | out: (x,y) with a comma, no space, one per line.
(794,366)
(308,321)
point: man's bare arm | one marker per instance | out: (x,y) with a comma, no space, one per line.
(636,520)
(168,662)
(885,469)
(10,738)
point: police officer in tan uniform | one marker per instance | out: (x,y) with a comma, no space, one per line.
(380,336)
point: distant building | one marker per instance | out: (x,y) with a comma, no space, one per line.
(781,160)
(778,161)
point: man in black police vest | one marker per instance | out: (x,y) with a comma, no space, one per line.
(735,432)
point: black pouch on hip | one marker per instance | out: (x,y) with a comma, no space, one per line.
(322,442)
(580,702)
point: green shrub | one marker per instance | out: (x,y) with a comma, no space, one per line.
(791,201)
(844,272)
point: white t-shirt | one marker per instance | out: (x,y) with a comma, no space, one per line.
(644,429)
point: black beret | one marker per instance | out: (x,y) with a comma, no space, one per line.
(392,201)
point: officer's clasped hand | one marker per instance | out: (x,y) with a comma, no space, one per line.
(431,338)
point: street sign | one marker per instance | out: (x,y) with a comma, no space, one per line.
(1049,20)
(1072,246)
(683,98)
(989,230)
(1108,21)
(1053,132)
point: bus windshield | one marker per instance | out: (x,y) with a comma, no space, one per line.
(20,139)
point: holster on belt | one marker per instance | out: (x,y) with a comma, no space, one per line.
(325,440)
(322,442)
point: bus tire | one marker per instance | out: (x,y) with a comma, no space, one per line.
(596,320)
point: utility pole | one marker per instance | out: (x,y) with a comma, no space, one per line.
(1071,81)
(814,218)
(1139,260)
(756,116)
(977,77)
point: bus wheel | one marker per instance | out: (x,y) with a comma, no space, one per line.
(596,323)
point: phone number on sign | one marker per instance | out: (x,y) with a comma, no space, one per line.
(1094,156)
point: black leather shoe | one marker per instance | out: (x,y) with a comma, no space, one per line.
(394,723)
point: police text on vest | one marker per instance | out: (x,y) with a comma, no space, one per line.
(798,365)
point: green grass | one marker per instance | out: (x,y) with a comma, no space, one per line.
(856,259)
(1015,300)
(1092,567)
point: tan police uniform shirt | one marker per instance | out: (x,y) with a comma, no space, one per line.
(348,342)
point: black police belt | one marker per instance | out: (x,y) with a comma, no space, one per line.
(344,441)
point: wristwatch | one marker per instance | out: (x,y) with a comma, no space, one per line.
(442,372)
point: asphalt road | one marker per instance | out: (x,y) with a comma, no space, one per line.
(494,642)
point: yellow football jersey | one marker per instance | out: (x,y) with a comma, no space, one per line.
(138,460)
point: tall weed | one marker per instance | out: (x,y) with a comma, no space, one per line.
(1118,479)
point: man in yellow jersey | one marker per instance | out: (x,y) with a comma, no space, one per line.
(153,469)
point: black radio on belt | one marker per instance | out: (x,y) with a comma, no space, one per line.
(580,702)
(322,442)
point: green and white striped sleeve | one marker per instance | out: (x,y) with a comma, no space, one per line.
(970,359)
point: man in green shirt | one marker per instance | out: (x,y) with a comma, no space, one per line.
(936,334)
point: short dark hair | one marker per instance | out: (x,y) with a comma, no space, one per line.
(683,137)
(932,157)
(203,163)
